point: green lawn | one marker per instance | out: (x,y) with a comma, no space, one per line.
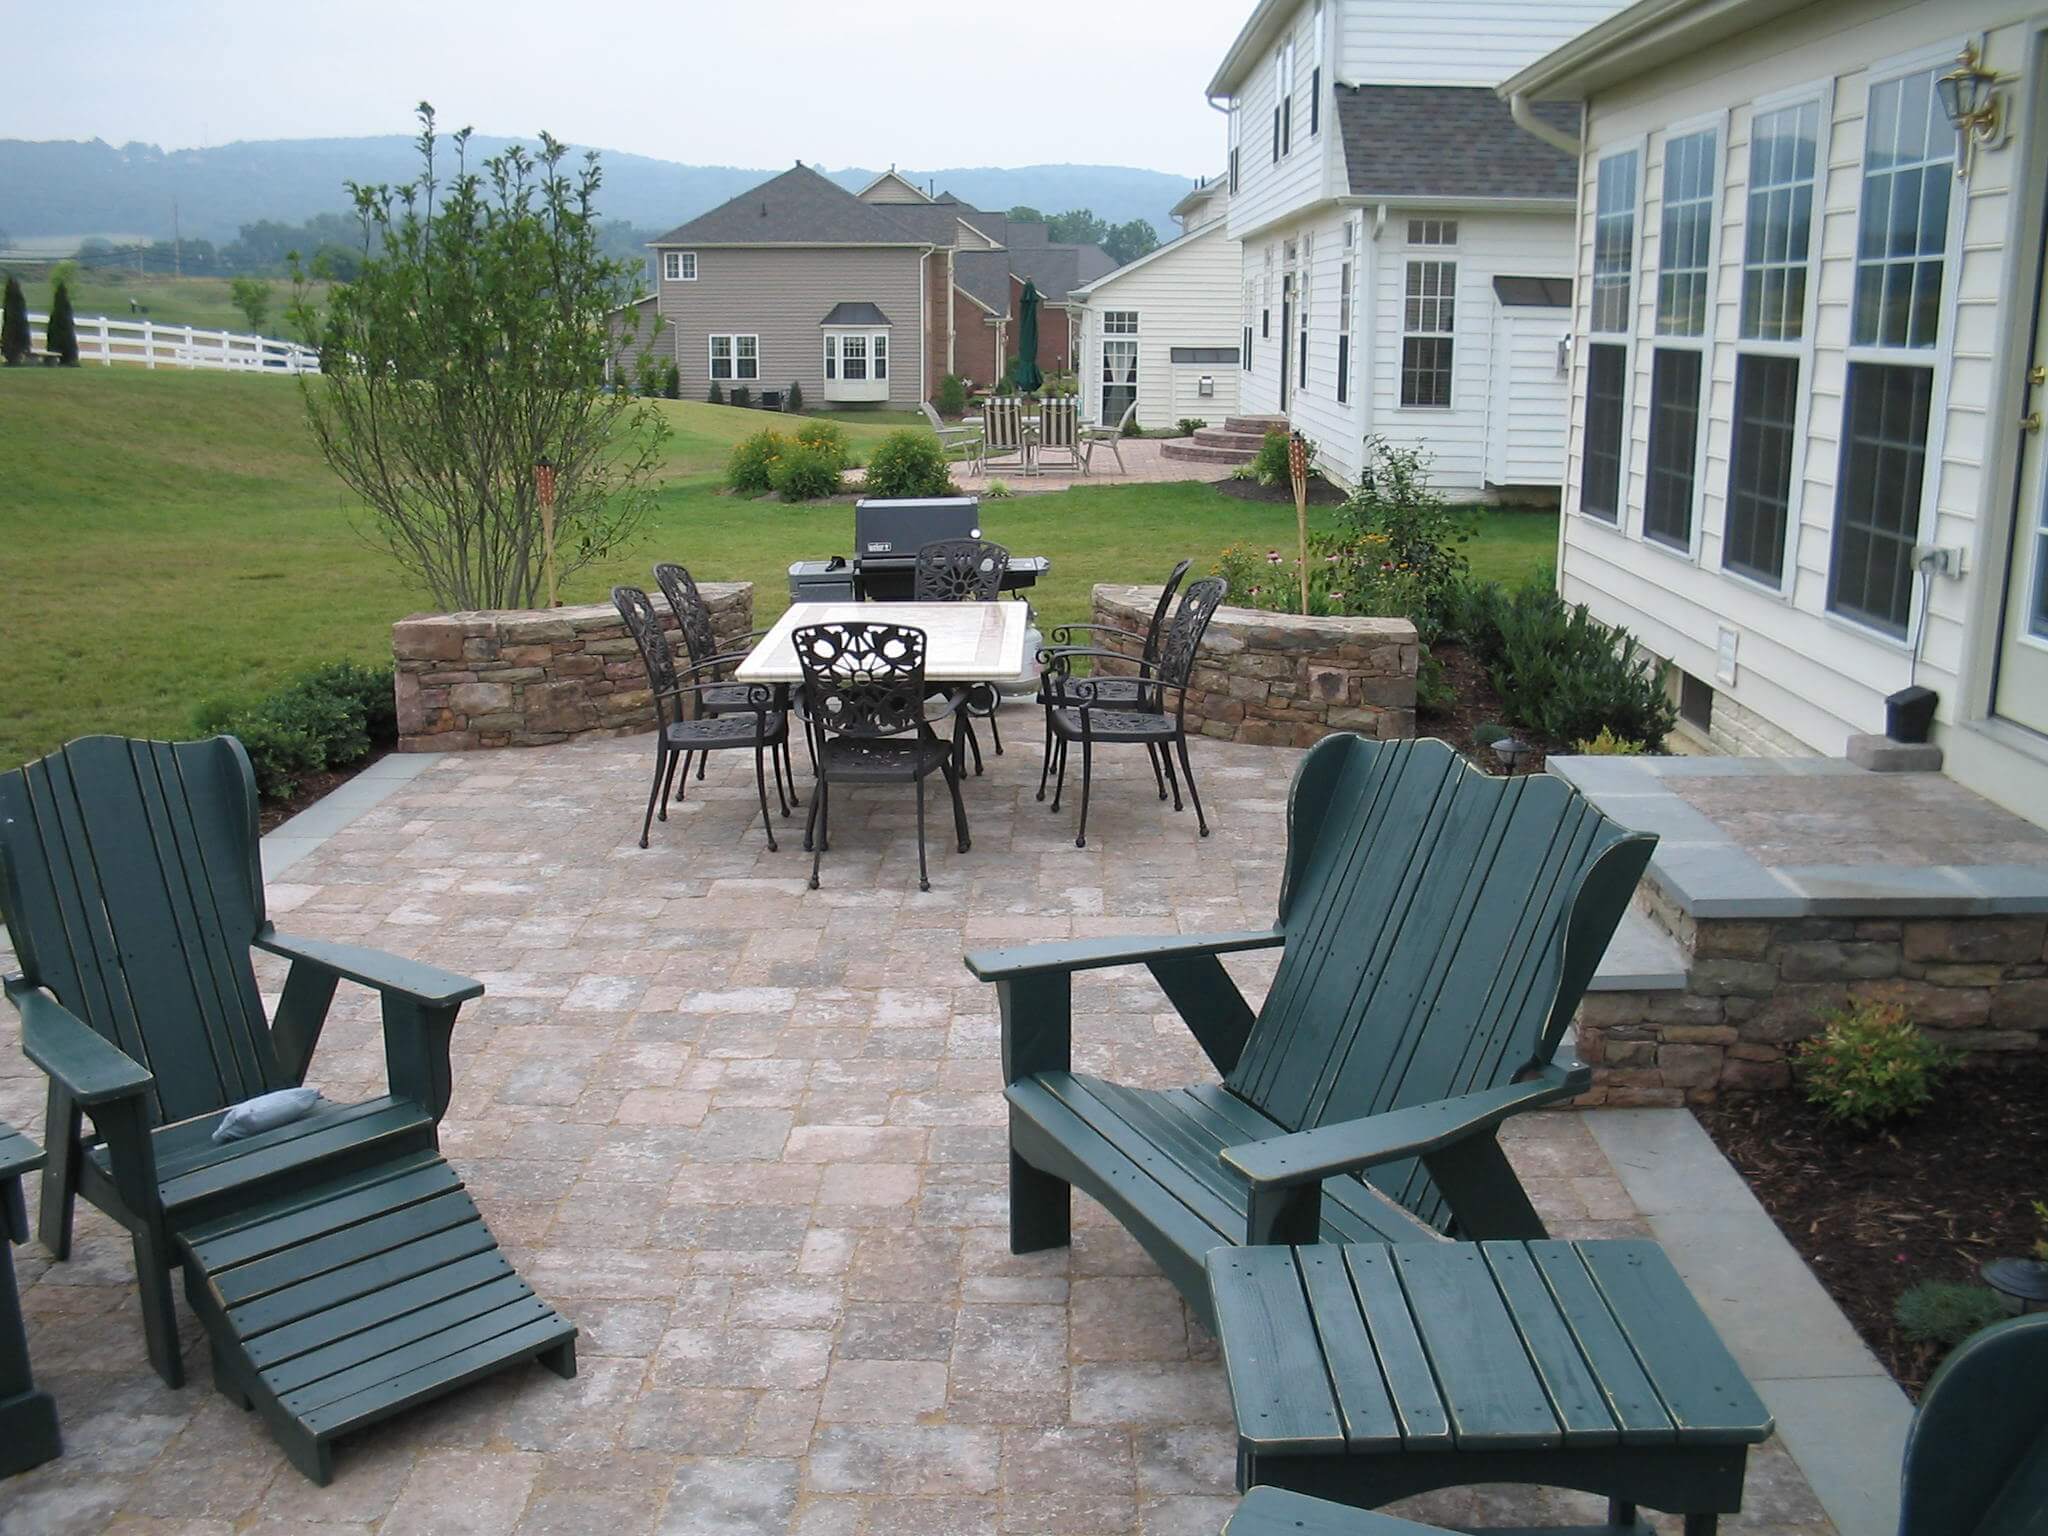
(168,537)
(196,301)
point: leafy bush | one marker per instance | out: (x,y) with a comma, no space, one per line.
(716,394)
(828,438)
(672,386)
(750,469)
(998,490)
(1562,673)
(793,400)
(806,471)
(1869,1066)
(1433,691)
(1607,744)
(1946,1312)
(2041,1242)
(1270,467)
(742,397)
(327,718)
(908,463)
(1188,426)
(950,399)
(1396,522)
(1487,732)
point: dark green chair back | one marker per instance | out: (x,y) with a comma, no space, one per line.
(1441,925)
(1977,1454)
(131,887)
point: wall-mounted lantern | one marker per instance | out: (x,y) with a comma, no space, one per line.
(1974,106)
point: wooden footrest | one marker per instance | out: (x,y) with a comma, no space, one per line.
(343,1304)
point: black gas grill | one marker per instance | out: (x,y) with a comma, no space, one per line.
(887,535)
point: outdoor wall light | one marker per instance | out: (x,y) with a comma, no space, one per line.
(1974,105)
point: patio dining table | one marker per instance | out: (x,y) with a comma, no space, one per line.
(964,642)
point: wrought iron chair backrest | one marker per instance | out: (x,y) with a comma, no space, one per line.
(1002,423)
(1183,637)
(644,625)
(693,614)
(863,679)
(1152,635)
(1057,420)
(960,571)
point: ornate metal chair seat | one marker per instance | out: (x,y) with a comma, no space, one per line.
(890,760)
(728,697)
(726,730)
(1115,724)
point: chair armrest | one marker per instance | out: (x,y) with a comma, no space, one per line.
(1095,954)
(1060,633)
(427,985)
(91,1069)
(1309,1157)
(1062,655)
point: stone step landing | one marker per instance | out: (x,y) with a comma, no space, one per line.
(1256,426)
(1223,437)
(1194,451)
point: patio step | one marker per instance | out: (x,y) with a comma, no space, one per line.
(1256,426)
(1223,437)
(1198,453)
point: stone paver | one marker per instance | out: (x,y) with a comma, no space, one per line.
(750,1138)
(1143,464)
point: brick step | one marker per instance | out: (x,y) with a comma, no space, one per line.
(1223,437)
(1195,453)
(1257,426)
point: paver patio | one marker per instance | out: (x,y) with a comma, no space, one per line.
(1143,464)
(750,1138)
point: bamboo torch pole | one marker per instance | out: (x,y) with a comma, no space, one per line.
(1297,469)
(544,483)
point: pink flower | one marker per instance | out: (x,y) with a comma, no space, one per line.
(1272,557)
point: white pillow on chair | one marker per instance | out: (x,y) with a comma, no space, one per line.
(265,1112)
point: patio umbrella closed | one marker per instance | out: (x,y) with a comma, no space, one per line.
(1028,377)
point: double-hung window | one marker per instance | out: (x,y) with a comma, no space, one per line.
(1315,72)
(1902,243)
(1611,317)
(1684,252)
(1344,315)
(853,358)
(735,357)
(1244,351)
(1236,121)
(1308,267)
(679,266)
(1784,160)
(1283,100)
(1428,325)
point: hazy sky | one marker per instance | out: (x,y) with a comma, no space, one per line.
(755,83)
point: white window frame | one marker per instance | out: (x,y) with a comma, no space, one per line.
(1119,322)
(1315,70)
(1432,234)
(732,339)
(1438,259)
(1236,121)
(1821,94)
(1937,57)
(679,266)
(1715,123)
(1302,286)
(1625,337)
(847,357)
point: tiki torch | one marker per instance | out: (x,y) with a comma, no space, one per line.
(544,483)
(1297,470)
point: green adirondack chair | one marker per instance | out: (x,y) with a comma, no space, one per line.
(132,891)
(1976,1456)
(1437,928)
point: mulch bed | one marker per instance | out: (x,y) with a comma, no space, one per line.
(1930,1199)
(272,814)
(1475,703)
(1320,492)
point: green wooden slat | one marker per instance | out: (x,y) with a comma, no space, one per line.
(360,1279)
(1490,1390)
(1631,1400)
(309,1202)
(372,1375)
(18,1155)
(1175,1136)
(270,1349)
(1403,1365)
(1268,1511)
(183,1150)
(1574,1391)
(1279,1388)
(395,1125)
(337,1250)
(1702,1388)
(1368,1412)
(1075,1095)
(440,1376)
(406,1328)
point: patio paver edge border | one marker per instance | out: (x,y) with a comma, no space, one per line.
(290,841)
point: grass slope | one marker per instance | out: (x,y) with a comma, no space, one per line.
(195,301)
(167,538)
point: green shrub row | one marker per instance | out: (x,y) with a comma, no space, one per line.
(801,468)
(908,463)
(326,718)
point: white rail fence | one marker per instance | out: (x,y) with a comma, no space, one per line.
(153,345)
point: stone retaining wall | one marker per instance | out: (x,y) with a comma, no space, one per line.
(1281,680)
(1756,987)
(527,677)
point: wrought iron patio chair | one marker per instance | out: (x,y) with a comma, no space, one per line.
(1133,692)
(953,439)
(1002,434)
(1077,716)
(1059,432)
(683,727)
(965,571)
(864,691)
(693,619)
(1109,437)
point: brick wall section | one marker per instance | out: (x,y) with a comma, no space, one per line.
(1277,679)
(974,348)
(524,678)
(1757,987)
(936,293)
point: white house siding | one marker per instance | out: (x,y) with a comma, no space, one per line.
(1807,673)
(1526,407)
(1313,165)
(1455,42)
(1185,296)
(781,294)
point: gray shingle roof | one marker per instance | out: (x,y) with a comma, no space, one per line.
(986,275)
(1450,141)
(858,312)
(797,207)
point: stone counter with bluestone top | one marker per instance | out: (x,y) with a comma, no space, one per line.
(527,677)
(1280,679)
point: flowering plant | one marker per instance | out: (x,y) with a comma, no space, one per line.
(1869,1065)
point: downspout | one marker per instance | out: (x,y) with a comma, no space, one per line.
(1371,256)
(952,320)
(1529,122)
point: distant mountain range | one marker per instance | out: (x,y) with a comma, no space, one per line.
(72,187)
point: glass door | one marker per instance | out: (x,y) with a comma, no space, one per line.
(1286,330)
(2021,694)
(1119,377)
